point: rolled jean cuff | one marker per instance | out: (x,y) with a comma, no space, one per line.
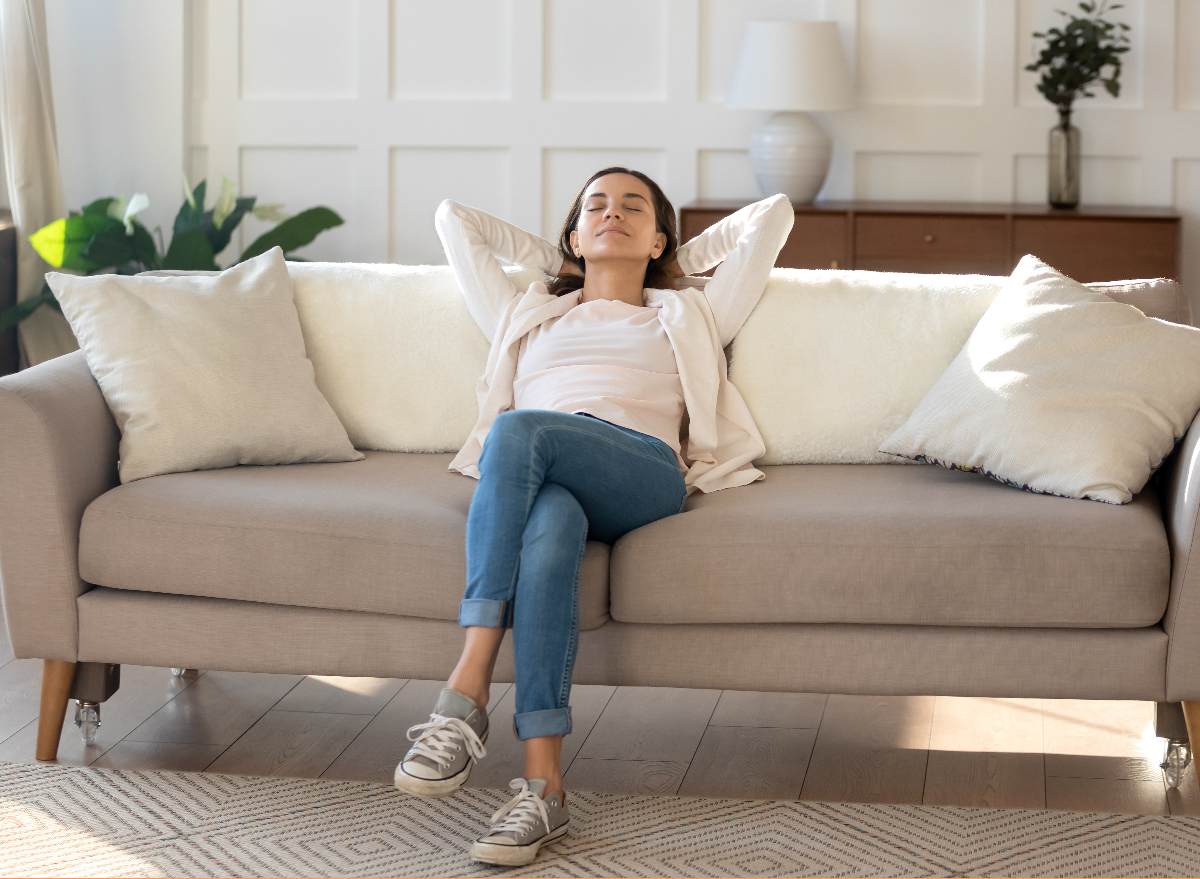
(489,612)
(551,722)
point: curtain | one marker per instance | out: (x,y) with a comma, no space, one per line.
(31,164)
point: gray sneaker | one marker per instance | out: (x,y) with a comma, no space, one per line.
(523,825)
(445,748)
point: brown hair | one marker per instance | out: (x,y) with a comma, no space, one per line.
(661,271)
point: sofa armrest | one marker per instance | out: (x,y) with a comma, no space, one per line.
(58,453)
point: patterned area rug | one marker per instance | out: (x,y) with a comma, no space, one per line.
(61,821)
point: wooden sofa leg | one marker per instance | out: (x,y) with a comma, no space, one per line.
(57,677)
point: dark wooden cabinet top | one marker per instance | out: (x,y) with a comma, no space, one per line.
(996,209)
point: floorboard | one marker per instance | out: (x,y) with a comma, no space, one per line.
(1122,795)
(20,695)
(749,763)
(143,691)
(656,777)
(787,710)
(986,753)
(337,695)
(215,710)
(651,723)
(1085,739)
(297,744)
(871,749)
(159,756)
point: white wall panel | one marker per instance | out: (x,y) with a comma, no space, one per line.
(301,178)
(451,49)
(1111,180)
(1038,15)
(611,51)
(920,51)
(725,174)
(565,170)
(1187,58)
(918,176)
(1030,179)
(722,26)
(1187,202)
(299,49)
(422,178)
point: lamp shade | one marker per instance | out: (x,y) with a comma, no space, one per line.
(791,65)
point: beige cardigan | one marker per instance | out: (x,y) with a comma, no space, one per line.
(722,438)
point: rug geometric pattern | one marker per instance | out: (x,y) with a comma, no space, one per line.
(67,821)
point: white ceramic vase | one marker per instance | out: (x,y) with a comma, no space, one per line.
(790,153)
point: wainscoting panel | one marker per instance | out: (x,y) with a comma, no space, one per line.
(1187,59)
(612,51)
(918,176)
(310,176)
(299,49)
(920,52)
(726,174)
(422,178)
(451,50)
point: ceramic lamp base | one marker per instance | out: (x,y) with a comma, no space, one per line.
(790,153)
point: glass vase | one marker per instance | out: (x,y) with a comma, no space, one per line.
(1064,163)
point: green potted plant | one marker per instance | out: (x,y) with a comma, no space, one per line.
(1075,56)
(106,237)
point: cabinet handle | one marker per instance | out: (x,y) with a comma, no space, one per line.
(929,239)
(833,263)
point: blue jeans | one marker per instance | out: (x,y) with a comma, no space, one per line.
(548,482)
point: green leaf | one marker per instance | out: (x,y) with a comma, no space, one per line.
(62,242)
(12,316)
(144,250)
(190,250)
(191,216)
(294,233)
(219,238)
(109,247)
(99,206)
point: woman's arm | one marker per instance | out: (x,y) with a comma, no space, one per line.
(472,240)
(746,244)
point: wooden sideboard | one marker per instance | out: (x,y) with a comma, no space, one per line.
(1087,243)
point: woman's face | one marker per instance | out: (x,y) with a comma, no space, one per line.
(617,222)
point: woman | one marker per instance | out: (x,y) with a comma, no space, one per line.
(578,437)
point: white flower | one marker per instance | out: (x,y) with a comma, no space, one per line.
(187,191)
(137,204)
(225,204)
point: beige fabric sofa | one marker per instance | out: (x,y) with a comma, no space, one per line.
(860,579)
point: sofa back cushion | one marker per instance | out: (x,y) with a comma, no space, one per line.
(395,351)
(831,363)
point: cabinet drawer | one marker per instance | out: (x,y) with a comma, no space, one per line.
(1100,249)
(930,240)
(817,241)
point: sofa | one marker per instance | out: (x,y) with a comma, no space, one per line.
(853,578)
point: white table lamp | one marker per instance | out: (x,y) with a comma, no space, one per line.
(793,67)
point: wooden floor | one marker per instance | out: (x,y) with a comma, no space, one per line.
(1026,753)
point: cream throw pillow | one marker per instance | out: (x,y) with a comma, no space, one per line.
(1059,390)
(203,371)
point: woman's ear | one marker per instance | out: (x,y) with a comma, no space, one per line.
(660,244)
(574,242)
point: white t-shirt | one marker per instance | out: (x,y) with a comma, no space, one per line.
(608,359)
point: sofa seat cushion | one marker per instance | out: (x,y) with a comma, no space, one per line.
(897,544)
(386,534)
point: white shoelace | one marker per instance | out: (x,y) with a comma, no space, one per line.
(522,811)
(438,738)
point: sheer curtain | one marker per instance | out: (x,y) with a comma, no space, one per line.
(31,165)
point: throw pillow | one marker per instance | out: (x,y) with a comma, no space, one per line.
(396,352)
(203,371)
(1059,390)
